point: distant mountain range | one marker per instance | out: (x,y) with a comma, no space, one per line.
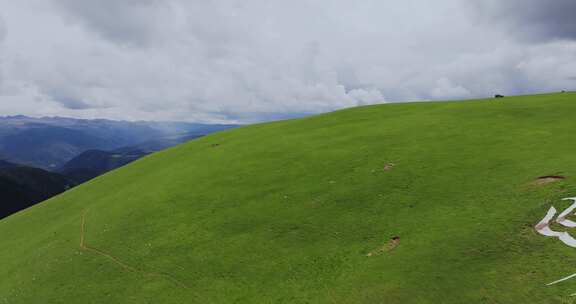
(75,151)
(22,187)
(50,142)
(93,163)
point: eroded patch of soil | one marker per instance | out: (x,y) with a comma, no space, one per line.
(389,166)
(393,243)
(548,179)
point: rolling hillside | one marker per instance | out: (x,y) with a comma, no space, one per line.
(399,203)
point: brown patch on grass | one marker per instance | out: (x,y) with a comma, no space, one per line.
(548,179)
(389,166)
(393,243)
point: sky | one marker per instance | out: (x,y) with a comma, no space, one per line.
(247,61)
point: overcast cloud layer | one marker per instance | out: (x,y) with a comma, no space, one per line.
(254,60)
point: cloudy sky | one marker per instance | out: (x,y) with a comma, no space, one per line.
(255,60)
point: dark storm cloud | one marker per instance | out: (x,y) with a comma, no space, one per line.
(532,20)
(127,22)
(73,104)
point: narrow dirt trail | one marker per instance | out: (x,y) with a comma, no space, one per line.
(119,262)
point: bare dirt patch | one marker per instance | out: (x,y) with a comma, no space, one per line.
(548,179)
(391,245)
(389,166)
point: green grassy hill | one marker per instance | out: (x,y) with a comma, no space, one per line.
(303,211)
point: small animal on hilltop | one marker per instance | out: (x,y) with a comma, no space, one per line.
(498,96)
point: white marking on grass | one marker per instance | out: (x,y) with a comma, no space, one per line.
(562,280)
(540,227)
(562,217)
(543,227)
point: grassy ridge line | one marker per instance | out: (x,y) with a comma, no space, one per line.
(287,212)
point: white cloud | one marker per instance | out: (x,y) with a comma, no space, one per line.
(446,89)
(249,60)
(366,97)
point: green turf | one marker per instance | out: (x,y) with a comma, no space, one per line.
(287,212)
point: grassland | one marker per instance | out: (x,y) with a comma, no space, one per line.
(288,212)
